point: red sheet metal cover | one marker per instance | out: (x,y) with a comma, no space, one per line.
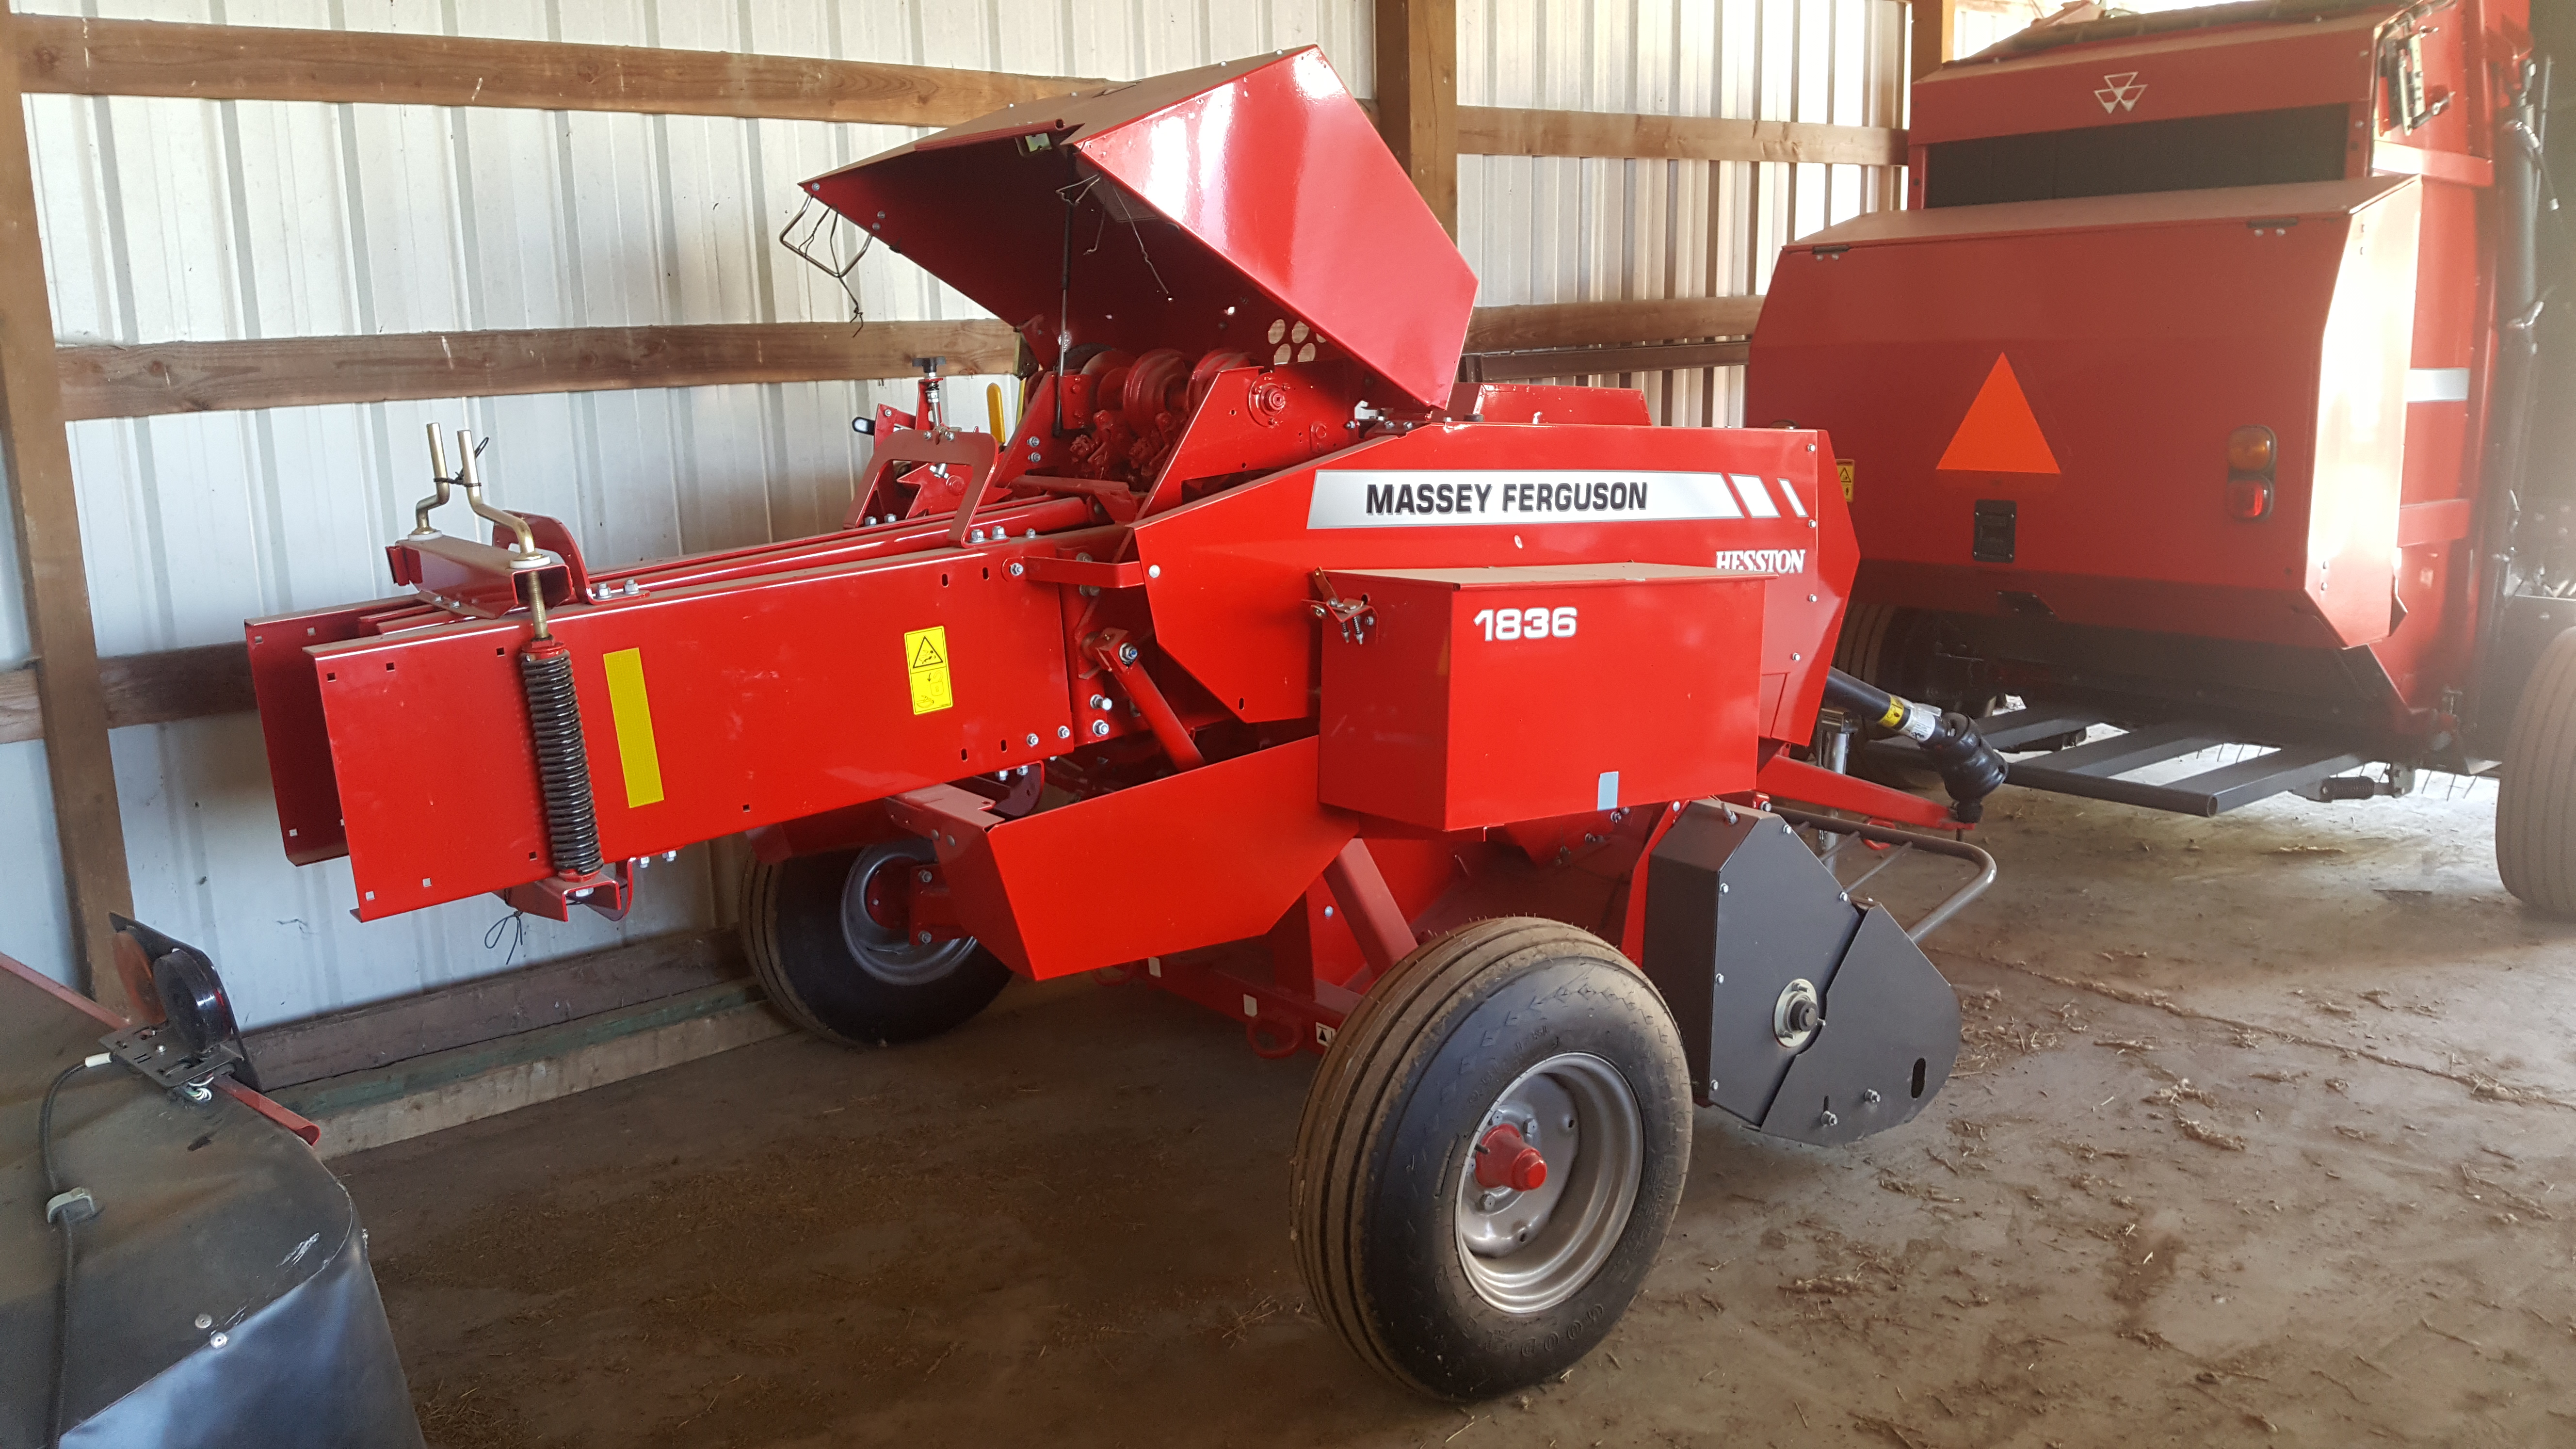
(2079,365)
(1247,206)
(2221,70)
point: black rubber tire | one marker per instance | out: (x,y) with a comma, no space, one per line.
(2535,823)
(1390,1122)
(791,928)
(1860,649)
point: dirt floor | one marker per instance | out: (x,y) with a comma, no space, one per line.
(2258,1137)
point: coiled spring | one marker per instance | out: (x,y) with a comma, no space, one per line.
(563,764)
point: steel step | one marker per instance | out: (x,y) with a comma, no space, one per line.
(2095,769)
(2019,729)
(2216,791)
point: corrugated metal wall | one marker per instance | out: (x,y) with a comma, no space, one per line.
(169,219)
(1557,229)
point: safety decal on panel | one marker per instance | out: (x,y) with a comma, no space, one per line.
(925,659)
(1848,469)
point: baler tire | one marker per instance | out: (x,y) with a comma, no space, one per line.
(1857,649)
(1381,1185)
(2535,824)
(814,974)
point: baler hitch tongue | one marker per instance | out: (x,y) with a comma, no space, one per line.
(1970,769)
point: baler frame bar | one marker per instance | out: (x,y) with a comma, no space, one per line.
(1870,830)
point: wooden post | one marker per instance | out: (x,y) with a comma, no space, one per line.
(1417,96)
(46,514)
(1936,36)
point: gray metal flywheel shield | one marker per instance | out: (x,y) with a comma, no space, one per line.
(1737,910)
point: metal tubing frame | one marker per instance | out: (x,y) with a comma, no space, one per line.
(1950,905)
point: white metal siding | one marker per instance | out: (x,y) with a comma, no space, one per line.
(1561,229)
(170,219)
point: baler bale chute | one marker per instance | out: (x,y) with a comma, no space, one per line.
(2196,392)
(1422,727)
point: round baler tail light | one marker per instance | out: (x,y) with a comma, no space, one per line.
(2253,452)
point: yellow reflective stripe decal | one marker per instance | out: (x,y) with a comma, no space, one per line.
(633,714)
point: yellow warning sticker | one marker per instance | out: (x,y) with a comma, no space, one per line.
(925,658)
(1844,467)
(631,710)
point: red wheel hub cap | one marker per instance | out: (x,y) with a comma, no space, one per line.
(1505,1159)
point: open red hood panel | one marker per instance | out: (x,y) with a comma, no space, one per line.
(1247,206)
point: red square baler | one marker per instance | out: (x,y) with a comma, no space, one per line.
(1258,663)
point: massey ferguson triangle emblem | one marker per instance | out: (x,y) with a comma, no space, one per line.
(2120,92)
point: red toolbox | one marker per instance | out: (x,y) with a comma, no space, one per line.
(1474,697)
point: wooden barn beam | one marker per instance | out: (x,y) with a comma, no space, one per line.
(148,379)
(64,54)
(174,684)
(1586,324)
(1936,36)
(1497,131)
(142,380)
(35,457)
(1417,97)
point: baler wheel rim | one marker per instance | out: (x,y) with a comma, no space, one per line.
(1391,1117)
(800,953)
(1566,1226)
(884,953)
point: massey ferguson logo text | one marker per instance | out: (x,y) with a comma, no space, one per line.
(2120,92)
(1763,560)
(1621,496)
(1415,498)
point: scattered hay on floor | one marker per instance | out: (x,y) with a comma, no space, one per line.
(2203,1132)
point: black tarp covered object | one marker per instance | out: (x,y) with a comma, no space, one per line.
(206,1211)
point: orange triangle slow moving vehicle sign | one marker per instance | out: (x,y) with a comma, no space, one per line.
(1999,434)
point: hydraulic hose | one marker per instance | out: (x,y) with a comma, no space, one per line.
(1970,769)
